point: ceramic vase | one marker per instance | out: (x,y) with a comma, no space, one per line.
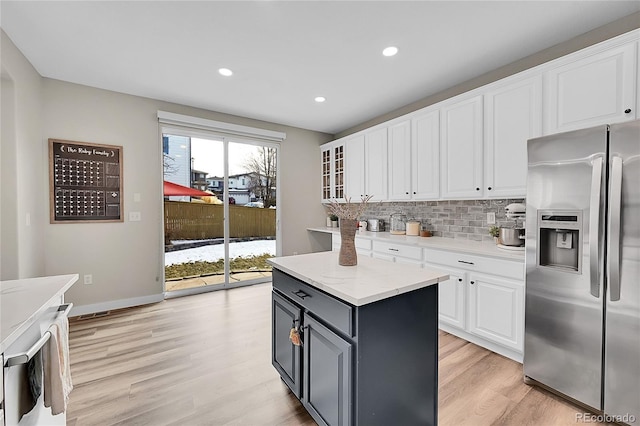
(348,255)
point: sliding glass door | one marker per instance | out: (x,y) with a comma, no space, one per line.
(220,211)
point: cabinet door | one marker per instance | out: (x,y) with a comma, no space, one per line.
(425,156)
(399,147)
(327,374)
(593,90)
(461,149)
(285,356)
(451,297)
(496,310)
(338,171)
(327,174)
(513,115)
(376,164)
(354,168)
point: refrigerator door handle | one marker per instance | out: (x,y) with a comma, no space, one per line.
(613,242)
(594,227)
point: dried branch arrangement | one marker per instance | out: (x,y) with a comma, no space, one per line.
(348,210)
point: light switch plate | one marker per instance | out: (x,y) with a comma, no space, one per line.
(491,218)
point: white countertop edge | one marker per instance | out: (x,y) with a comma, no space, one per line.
(381,294)
(62,283)
(477,248)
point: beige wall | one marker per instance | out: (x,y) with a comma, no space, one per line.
(590,38)
(22,218)
(125,259)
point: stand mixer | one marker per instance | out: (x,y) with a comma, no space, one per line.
(513,238)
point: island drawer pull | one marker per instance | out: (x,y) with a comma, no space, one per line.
(301,294)
(465,262)
(25,357)
(393,249)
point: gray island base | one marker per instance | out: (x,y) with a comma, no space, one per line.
(364,358)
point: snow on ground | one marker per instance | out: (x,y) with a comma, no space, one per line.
(212,253)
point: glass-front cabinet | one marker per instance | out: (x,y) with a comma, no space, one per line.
(333,158)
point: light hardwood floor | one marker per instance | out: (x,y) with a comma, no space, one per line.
(206,360)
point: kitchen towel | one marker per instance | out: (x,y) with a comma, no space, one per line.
(57,371)
(34,372)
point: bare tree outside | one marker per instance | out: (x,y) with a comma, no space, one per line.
(169,164)
(262,167)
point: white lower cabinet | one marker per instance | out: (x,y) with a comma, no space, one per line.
(451,297)
(399,253)
(496,310)
(483,300)
(363,245)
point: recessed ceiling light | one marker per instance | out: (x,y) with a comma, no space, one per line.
(225,71)
(320,99)
(390,51)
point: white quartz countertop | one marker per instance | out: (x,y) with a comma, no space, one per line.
(438,243)
(23,301)
(369,281)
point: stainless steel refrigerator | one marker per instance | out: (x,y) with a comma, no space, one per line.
(582,316)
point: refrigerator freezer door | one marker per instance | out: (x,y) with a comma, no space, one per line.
(563,319)
(622,335)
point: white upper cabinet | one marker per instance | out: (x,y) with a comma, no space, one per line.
(332,163)
(592,90)
(513,115)
(354,164)
(461,149)
(414,160)
(474,146)
(425,156)
(375,149)
(399,147)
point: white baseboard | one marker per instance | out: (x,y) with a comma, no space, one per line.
(494,347)
(115,304)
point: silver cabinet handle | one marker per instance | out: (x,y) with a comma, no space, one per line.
(25,357)
(594,227)
(613,243)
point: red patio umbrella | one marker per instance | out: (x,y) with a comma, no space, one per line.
(171,188)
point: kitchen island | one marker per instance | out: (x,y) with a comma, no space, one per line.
(368,352)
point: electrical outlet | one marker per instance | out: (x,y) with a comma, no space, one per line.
(135,216)
(88,279)
(491,218)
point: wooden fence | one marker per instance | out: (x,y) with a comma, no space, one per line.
(195,221)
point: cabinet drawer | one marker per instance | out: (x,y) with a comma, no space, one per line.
(331,310)
(361,243)
(410,252)
(487,265)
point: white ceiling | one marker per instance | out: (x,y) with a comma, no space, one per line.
(285,53)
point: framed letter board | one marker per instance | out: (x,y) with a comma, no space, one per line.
(85,182)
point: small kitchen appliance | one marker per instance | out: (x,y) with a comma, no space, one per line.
(376,225)
(513,238)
